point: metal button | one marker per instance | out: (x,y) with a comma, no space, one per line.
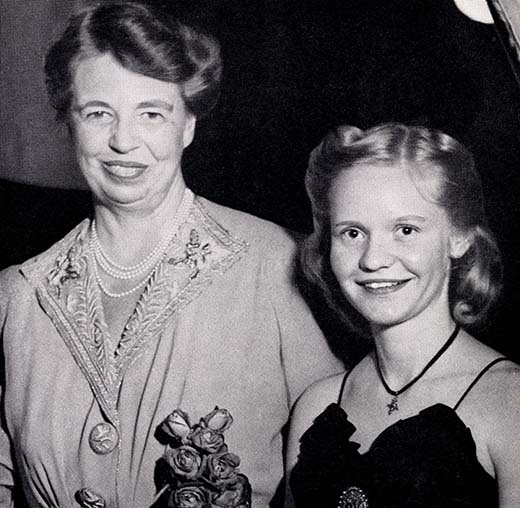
(103,438)
(87,498)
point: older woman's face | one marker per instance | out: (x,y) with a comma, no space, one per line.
(130,132)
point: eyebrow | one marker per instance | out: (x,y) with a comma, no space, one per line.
(156,103)
(90,104)
(347,223)
(404,218)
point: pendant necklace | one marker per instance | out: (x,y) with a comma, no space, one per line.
(393,405)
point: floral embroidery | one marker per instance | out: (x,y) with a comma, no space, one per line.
(70,296)
(66,268)
(195,254)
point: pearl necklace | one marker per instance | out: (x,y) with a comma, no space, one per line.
(122,294)
(121,272)
(146,266)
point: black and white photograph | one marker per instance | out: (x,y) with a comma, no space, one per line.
(259,254)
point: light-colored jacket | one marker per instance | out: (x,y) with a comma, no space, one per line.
(221,323)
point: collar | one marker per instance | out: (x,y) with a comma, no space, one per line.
(68,293)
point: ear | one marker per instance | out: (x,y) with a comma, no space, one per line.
(189,130)
(460,243)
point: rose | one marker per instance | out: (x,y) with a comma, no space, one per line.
(207,439)
(185,461)
(236,495)
(177,426)
(219,420)
(222,468)
(190,496)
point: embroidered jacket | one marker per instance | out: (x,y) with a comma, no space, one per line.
(220,323)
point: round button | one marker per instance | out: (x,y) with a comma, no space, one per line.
(103,438)
(87,498)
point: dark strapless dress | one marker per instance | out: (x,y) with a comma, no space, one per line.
(426,461)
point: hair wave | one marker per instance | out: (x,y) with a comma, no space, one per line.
(143,40)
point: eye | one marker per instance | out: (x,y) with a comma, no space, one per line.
(152,117)
(352,234)
(98,116)
(406,230)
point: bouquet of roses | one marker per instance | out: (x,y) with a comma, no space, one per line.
(196,469)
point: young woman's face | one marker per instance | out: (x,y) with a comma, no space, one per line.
(391,249)
(130,132)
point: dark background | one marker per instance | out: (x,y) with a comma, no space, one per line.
(294,69)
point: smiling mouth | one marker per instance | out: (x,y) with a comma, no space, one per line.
(124,169)
(382,287)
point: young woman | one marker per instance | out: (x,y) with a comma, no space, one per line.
(431,416)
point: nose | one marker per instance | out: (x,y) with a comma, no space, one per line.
(376,255)
(122,137)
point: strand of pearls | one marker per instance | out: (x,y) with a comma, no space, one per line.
(122,294)
(121,272)
(147,266)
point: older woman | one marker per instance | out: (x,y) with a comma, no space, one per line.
(162,300)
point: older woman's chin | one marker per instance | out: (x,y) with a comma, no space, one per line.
(120,195)
(138,198)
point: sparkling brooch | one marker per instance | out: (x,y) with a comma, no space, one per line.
(353,497)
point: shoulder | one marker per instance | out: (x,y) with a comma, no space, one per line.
(17,280)
(490,407)
(312,403)
(492,370)
(260,234)
(498,391)
(315,399)
(9,277)
(502,384)
(503,389)
(38,267)
(322,392)
(10,282)
(15,291)
(491,381)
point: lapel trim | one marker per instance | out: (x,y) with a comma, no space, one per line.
(68,293)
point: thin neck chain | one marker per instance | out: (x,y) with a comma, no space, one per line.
(437,355)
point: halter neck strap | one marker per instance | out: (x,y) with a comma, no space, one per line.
(477,379)
(342,388)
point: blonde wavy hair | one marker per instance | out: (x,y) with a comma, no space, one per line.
(476,278)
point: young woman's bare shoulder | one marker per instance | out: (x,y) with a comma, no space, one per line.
(502,391)
(314,400)
(494,398)
(504,438)
(320,394)
(499,387)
